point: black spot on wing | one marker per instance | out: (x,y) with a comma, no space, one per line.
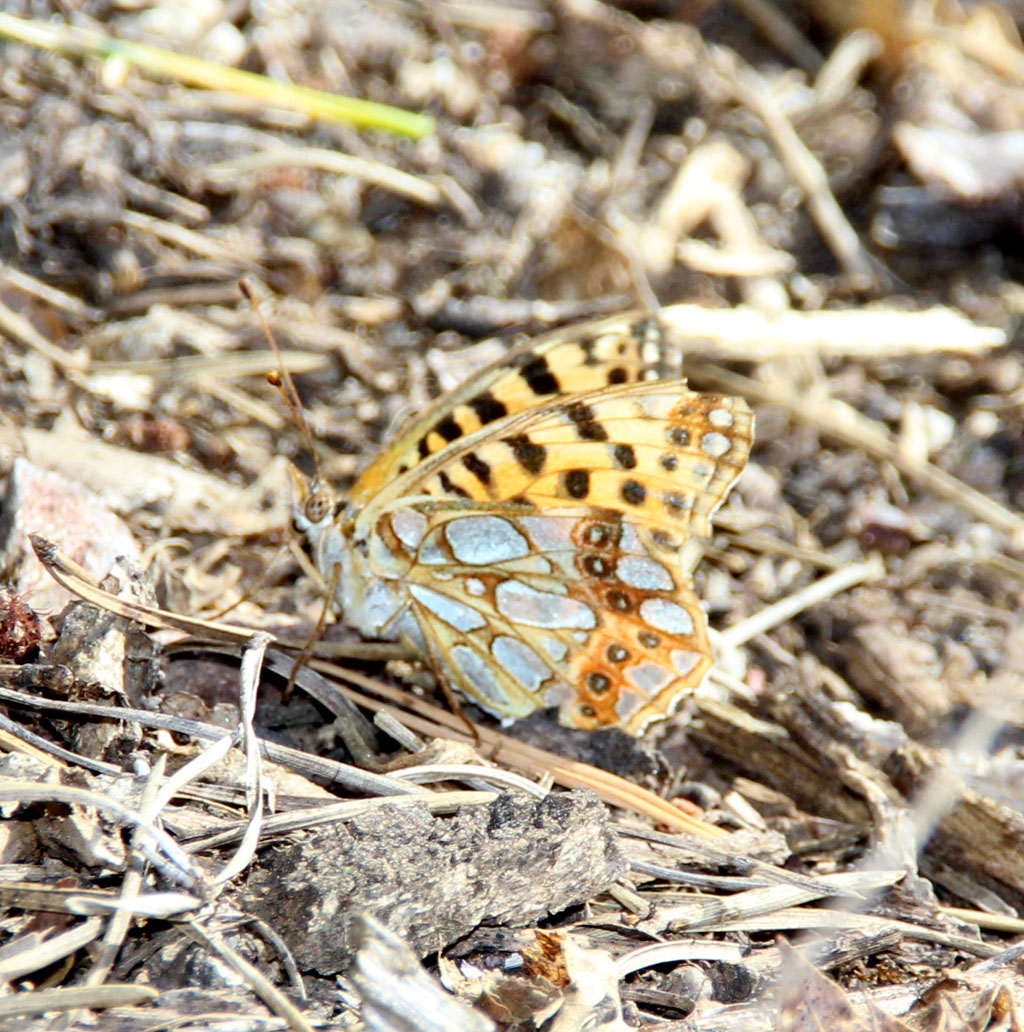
(529,455)
(577,483)
(586,426)
(617,375)
(487,408)
(448,429)
(450,486)
(480,469)
(625,457)
(633,492)
(539,377)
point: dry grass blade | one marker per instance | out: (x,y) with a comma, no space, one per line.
(160,849)
(786,918)
(331,813)
(33,953)
(120,921)
(373,172)
(77,580)
(808,173)
(228,365)
(813,594)
(721,882)
(52,1001)
(251,976)
(200,244)
(746,334)
(708,911)
(763,544)
(430,772)
(15,738)
(680,951)
(774,25)
(992,922)
(249,676)
(47,898)
(59,299)
(18,327)
(162,905)
(315,767)
(759,870)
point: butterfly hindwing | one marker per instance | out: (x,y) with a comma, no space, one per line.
(559,603)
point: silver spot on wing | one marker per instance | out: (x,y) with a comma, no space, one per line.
(526,605)
(461,617)
(485,540)
(410,527)
(666,616)
(644,574)
(715,444)
(520,661)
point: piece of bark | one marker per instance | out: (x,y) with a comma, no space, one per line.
(113,661)
(977,836)
(765,751)
(433,879)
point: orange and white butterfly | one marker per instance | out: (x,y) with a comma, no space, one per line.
(534,532)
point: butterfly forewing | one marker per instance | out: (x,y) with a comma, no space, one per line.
(620,350)
(661,455)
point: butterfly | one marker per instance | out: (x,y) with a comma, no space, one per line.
(535,531)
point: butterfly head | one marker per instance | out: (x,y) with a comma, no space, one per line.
(314,505)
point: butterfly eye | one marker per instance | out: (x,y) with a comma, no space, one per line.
(318,507)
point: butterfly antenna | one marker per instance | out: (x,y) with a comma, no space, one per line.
(282,379)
